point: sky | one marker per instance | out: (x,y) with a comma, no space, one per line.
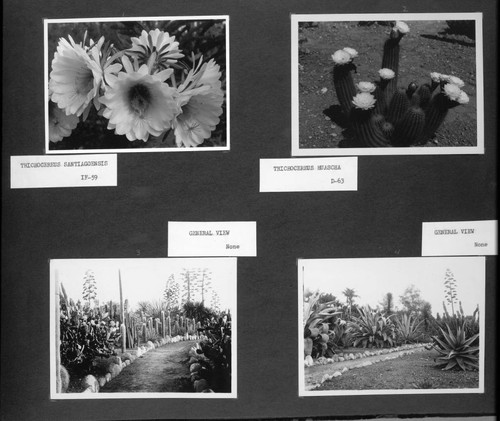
(143,279)
(373,278)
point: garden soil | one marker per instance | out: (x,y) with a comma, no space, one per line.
(162,369)
(430,46)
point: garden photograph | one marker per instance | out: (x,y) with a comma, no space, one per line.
(391,325)
(125,85)
(143,328)
(372,84)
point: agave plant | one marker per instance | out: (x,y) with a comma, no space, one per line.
(371,328)
(407,329)
(456,350)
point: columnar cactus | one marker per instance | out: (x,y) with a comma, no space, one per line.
(390,58)
(379,114)
(365,128)
(398,107)
(449,97)
(410,128)
(342,78)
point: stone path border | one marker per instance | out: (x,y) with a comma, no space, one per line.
(113,365)
(325,369)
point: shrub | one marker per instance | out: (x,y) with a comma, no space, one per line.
(372,329)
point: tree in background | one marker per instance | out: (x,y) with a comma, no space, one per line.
(215,301)
(327,297)
(413,302)
(171,293)
(188,284)
(388,304)
(89,288)
(350,295)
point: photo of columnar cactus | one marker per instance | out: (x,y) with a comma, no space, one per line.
(136,85)
(385,326)
(409,84)
(121,326)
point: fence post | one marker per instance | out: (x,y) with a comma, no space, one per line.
(169,321)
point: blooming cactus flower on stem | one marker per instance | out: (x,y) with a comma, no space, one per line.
(449,97)
(390,57)
(366,131)
(342,79)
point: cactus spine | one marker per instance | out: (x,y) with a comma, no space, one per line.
(409,129)
(398,106)
(366,131)
(435,115)
(344,85)
(390,60)
(424,92)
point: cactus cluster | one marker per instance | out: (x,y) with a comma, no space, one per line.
(379,113)
(316,342)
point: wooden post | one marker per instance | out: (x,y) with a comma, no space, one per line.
(169,321)
(163,331)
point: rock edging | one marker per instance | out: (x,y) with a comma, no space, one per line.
(385,354)
(112,366)
(199,368)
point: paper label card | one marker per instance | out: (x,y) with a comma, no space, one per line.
(463,238)
(210,239)
(37,171)
(309,174)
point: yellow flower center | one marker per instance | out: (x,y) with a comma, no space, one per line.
(139,99)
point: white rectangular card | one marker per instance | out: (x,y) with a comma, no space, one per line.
(459,238)
(36,171)
(211,239)
(309,174)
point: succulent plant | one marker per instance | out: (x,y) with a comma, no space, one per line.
(411,116)
(456,350)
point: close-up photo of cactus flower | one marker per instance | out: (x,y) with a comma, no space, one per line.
(136,85)
(388,84)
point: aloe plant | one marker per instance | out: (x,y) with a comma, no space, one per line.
(372,329)
(407,329)
(456,350)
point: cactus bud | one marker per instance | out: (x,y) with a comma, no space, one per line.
(412,87)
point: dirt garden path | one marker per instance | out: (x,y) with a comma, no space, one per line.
(162,369)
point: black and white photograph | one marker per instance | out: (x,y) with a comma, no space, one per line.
(143,328)
(400,84)
(137,84)
(409,325)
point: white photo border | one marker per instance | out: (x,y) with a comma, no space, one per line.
(301,263)
(47,22)
(231,265)
(296,150)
